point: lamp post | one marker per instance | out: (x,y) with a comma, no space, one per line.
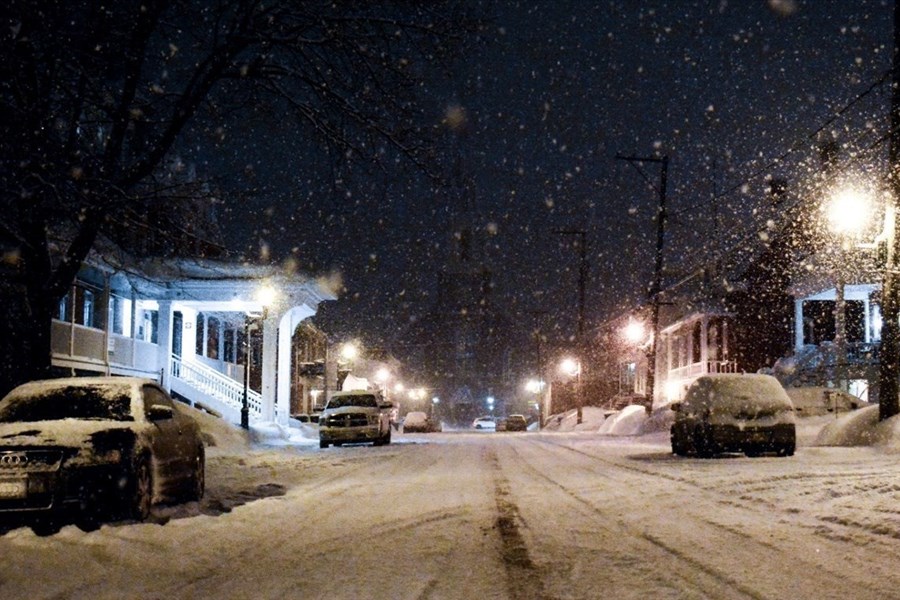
(848,212)
(536,387)
(572,368)
(265,297)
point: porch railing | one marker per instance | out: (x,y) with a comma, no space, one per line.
(215,384)
(700,368)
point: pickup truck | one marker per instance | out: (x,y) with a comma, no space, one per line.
(354,417)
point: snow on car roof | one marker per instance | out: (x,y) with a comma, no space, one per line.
(748,389)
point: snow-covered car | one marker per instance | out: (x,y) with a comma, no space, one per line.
(419,422)
(516,423)
(485,423)
(92,447)
(748,413)
(354,417)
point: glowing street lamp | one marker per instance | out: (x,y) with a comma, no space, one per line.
(572,368)
(349,351)
(848,211)
(534,386)
(634,332)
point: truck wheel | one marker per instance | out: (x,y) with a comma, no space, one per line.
(323,444)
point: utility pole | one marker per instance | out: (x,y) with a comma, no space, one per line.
(889,368)
(579,342)
(656,285)
(582,274)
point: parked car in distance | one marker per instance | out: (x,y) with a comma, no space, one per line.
(419,422)
(485,423)
(748,413)
(353,417)
(94,447)
(516,423)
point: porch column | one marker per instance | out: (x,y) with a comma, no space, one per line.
(285,330)
(867,312)
(269,367)
(164,343)
(798,324)
(704,344)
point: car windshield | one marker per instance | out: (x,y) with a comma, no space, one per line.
(364,400)
(69,402)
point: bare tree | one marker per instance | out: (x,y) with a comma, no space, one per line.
(96,96)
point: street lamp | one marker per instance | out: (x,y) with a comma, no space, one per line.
(349,351)
(536,387)
(572,368)
(434,404)
(634,332)
(848,213)
(265,297)
(490,403)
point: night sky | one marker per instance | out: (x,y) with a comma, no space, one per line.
(730,91)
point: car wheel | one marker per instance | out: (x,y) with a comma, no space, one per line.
(198,480)
(752,451)
(323,444)
(46,526)
(787,450)
(141,497)
(702,443)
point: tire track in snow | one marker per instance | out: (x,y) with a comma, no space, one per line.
(709,583)
(847,569)
(748,493)
(522,578)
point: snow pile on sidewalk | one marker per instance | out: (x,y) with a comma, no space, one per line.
(862,428)
(591,419)
(627,421)
(227,437)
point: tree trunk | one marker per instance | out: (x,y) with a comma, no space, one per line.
(24,340)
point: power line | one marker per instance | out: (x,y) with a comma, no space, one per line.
(791,149)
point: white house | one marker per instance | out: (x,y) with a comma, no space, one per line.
(186,325)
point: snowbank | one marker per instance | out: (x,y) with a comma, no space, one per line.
(228,438)
(862,428)
(591,419)
(810,401)
(627,421)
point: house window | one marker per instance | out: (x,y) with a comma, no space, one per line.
(212,337)
(695,342)
(714,345)
(230,350)
(681,344)
(86,307)
(119,315)
(200,334)
(627,375)
(149,323)
(63,311)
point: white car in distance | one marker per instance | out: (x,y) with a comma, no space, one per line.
(485,423)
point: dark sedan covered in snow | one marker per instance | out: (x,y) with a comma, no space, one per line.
(95,447)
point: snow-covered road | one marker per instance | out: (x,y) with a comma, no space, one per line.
(467,515)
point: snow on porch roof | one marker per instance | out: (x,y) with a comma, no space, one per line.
(228,285)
